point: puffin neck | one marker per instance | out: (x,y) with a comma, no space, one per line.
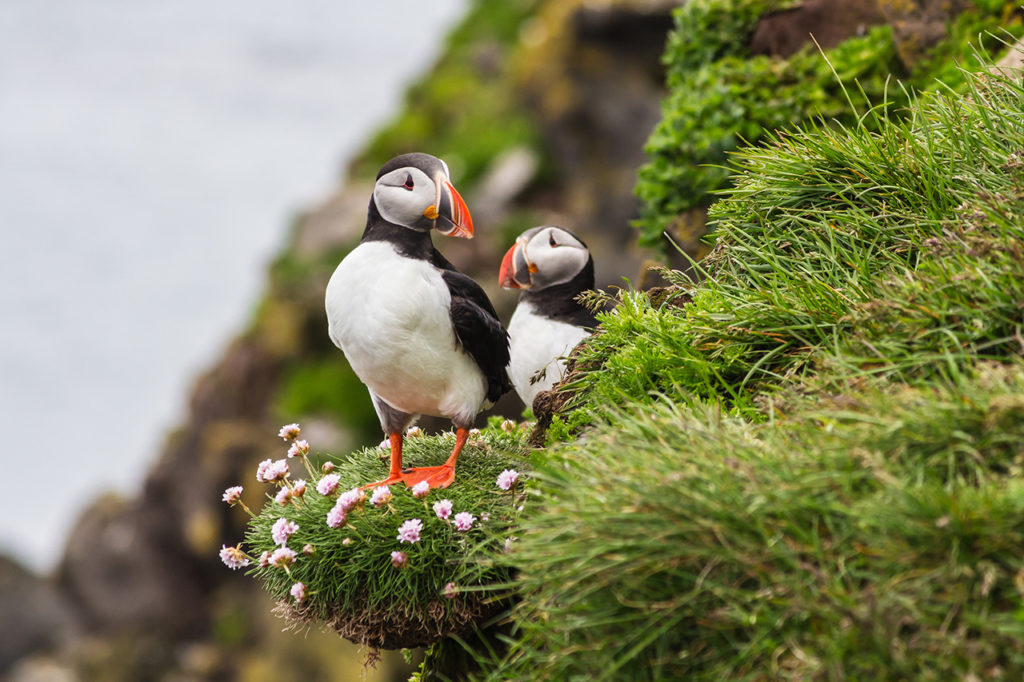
(559,303)
(407,241)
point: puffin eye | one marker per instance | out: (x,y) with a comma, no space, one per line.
(408,182)
(551,239)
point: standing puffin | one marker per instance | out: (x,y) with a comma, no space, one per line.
(552,266)
(421,335)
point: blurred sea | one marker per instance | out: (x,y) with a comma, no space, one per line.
(151,155)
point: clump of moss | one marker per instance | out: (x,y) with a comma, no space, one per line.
(721,97)
(373,588)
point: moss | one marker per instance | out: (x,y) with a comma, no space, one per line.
(720,97)
(351,583)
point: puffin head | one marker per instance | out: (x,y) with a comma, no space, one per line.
(414,191)
(543,257)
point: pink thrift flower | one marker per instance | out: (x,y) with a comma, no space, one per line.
(232,494)
(289,431)
(282,556)
(443,509)
(298,591)
(346,542)
(308,550)
(464,521)
(508,545)
(328,484)
(508,426)
(284,496)
(264,559)
(474,432)
(277,471)
(413,432)
(336,517)
(282,530)
(327,467)
(450,590)
(410,531)
(507,478)
(233,557)
(298,448)
(262,469)
(399,559)
(381,496)
(351,499)
(486,516)
(384,444)
(420,490)
(299,488)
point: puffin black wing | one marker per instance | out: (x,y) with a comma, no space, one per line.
(479,332)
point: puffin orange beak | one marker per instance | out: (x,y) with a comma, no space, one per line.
(452,217)
(516,271)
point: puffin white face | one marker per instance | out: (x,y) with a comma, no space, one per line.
(543,257)
(409,197)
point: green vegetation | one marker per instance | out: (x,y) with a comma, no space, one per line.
(351,582)
(721,97)
(877,535)
(806,466)
(812,470)
(872,249)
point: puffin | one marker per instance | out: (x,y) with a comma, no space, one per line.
(552,267)
(422,336)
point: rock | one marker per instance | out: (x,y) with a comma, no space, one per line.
(1012,62)
(33,614)
(506,178)
(40,669)
(784,33)
(121,574)
(918,25)
(336,222)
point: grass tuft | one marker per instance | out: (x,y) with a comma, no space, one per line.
(877,532)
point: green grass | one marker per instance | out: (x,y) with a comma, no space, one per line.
(886,249)
(813,469)
(874,535)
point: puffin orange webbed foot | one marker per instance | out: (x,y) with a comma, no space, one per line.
(436,477)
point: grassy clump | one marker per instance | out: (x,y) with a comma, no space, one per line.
(721,97)
(873,535)
(813,469)
(351,582)
(892,249)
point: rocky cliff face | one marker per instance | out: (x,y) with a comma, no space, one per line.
(140,593)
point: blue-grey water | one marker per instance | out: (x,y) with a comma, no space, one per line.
(150,157)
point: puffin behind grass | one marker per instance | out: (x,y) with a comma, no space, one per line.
(552,267)
(421,335)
